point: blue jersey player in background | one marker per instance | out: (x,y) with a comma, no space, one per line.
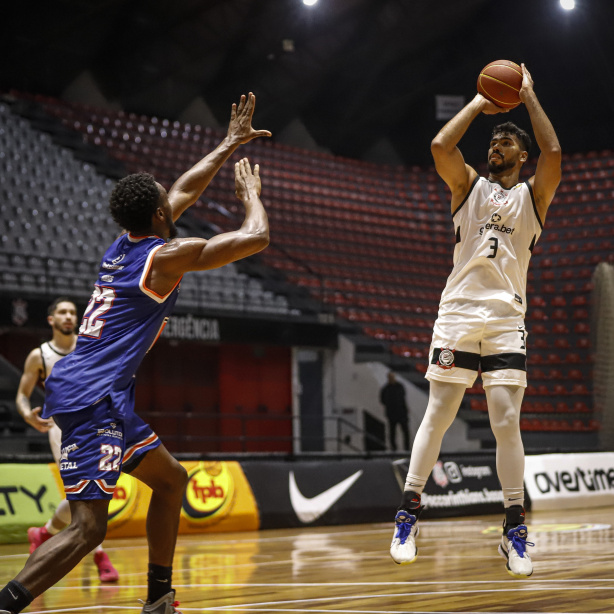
(90,393)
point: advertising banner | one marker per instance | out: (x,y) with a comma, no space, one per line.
(315,493)
(28,497)
(567,481)
(218,498)
(458,485)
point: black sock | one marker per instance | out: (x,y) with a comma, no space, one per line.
(514,515)
(14,597)
(158,582)
(410,502)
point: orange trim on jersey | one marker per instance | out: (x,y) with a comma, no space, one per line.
(159,333)
(77,488)
(102,484)
(152,293)
(135,448)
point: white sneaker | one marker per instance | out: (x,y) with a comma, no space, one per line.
(403,547)
(513,547)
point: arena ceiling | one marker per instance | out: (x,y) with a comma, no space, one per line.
(359,76)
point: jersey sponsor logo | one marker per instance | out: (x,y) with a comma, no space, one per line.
(67,450)
(110,433)
(494,225)
(309,509)
(446,358)
(210,492)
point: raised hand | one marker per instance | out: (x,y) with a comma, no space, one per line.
(527,84)
(240,127)
(489,107)
(246,182)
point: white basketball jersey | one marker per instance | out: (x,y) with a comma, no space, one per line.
(496,230)
(50,357)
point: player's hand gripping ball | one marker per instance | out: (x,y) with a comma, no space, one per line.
(500,81)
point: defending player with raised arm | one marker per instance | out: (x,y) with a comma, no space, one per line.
(480,324)
(90,393)
(62,317)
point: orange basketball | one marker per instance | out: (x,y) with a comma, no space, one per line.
(500,82)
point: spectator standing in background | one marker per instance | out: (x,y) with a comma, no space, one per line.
(392,397)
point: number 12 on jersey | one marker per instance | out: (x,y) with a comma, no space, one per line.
(101,301)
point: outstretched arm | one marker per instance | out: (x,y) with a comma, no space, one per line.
(31,374)
(183,255)
(449,161)
(188,188)
(548,172)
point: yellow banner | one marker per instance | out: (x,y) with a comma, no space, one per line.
(218,498)
(28,497)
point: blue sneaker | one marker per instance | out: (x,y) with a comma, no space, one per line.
(403,547)
(513,547)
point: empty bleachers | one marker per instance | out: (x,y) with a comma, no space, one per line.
(375,244)
(55,225)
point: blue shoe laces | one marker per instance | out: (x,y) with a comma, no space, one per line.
(404,522)
(518,536)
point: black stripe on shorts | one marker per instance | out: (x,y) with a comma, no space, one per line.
(496,362)
(455,358)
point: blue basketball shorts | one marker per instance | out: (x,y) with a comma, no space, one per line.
(97,444)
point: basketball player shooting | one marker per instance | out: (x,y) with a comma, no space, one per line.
(90,393)
(480,324)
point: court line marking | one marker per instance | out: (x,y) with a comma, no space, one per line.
(333,584)
(423,594)
(367,611)
(259,607)
(216,609)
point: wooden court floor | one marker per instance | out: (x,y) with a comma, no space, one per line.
(348,570)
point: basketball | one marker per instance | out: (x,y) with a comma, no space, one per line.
(500,81)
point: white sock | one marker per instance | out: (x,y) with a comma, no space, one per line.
(50,528)
(415,483)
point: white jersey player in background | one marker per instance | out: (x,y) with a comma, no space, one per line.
(62,317)
(480,324)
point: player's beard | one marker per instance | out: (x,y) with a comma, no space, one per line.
(500,166)
(65,330)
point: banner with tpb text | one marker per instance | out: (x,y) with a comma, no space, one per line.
(217,498)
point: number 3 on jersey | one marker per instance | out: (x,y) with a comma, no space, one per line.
(494,247)
(101,301)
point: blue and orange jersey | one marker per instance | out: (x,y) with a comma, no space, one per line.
(121,323)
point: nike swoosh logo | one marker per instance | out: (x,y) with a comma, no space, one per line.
(13,595)
(310,509)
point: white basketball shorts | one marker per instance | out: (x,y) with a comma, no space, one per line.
(469,336)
